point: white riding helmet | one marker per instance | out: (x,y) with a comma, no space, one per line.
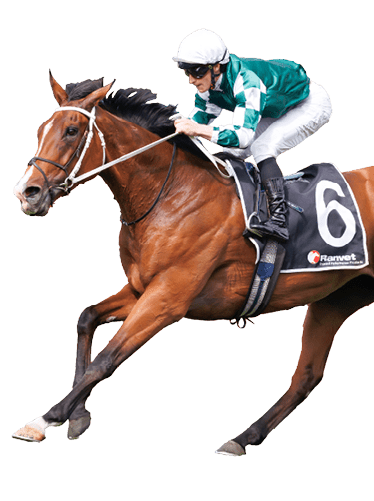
(202,47)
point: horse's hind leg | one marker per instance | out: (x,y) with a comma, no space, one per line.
(115,308)
(322,321)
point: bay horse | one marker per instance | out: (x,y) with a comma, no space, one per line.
(181,246)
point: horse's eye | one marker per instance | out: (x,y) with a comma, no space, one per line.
(71,131)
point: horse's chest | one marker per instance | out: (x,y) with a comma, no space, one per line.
(134,278)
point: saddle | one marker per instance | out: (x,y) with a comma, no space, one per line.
(324,221)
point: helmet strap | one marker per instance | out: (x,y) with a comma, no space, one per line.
(213,77)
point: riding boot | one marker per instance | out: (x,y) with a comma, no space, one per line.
(276,226)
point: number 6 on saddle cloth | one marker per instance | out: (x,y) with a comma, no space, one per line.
(325,225)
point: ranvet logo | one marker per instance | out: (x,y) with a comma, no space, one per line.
(314,257)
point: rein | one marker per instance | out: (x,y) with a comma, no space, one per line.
(71,178)
(158,196)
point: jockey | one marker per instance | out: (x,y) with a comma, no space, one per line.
(275,106)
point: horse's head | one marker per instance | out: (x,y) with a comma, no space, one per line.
(61,140)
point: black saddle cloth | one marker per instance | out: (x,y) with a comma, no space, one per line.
(325,225)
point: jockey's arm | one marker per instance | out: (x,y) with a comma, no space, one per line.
(191,128)
(240,137)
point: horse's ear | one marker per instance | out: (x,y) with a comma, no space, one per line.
(95,97)
(59,93)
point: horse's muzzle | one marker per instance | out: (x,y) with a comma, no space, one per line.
(35,200)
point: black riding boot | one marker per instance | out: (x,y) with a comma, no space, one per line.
(276,225)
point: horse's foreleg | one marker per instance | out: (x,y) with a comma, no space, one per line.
(162,303)
(115,308)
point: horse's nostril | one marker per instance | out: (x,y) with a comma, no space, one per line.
(31,191)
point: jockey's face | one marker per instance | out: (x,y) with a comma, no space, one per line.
(203,84)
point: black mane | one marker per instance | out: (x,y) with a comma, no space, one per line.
(133,105)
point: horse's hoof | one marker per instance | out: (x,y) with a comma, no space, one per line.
(30,434)
(231,448)
(78,426)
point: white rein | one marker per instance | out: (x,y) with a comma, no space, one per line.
(72,179)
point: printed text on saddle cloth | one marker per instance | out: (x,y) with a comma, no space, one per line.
(328,234)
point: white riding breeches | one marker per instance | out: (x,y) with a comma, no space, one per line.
(274,136)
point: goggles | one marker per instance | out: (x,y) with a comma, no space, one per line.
(195,71)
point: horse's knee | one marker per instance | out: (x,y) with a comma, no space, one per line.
(88,321)
(101,368)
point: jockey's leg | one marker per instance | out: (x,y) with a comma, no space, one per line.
(277,136)
(276,225)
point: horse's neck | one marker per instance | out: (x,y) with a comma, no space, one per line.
(137,181)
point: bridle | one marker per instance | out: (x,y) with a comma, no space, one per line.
(85,142)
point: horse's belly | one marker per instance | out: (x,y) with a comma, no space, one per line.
(223,294)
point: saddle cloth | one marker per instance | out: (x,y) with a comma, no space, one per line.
(326,230)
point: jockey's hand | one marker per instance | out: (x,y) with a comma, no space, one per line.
(191,128)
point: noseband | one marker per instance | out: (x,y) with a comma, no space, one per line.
(86,141)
